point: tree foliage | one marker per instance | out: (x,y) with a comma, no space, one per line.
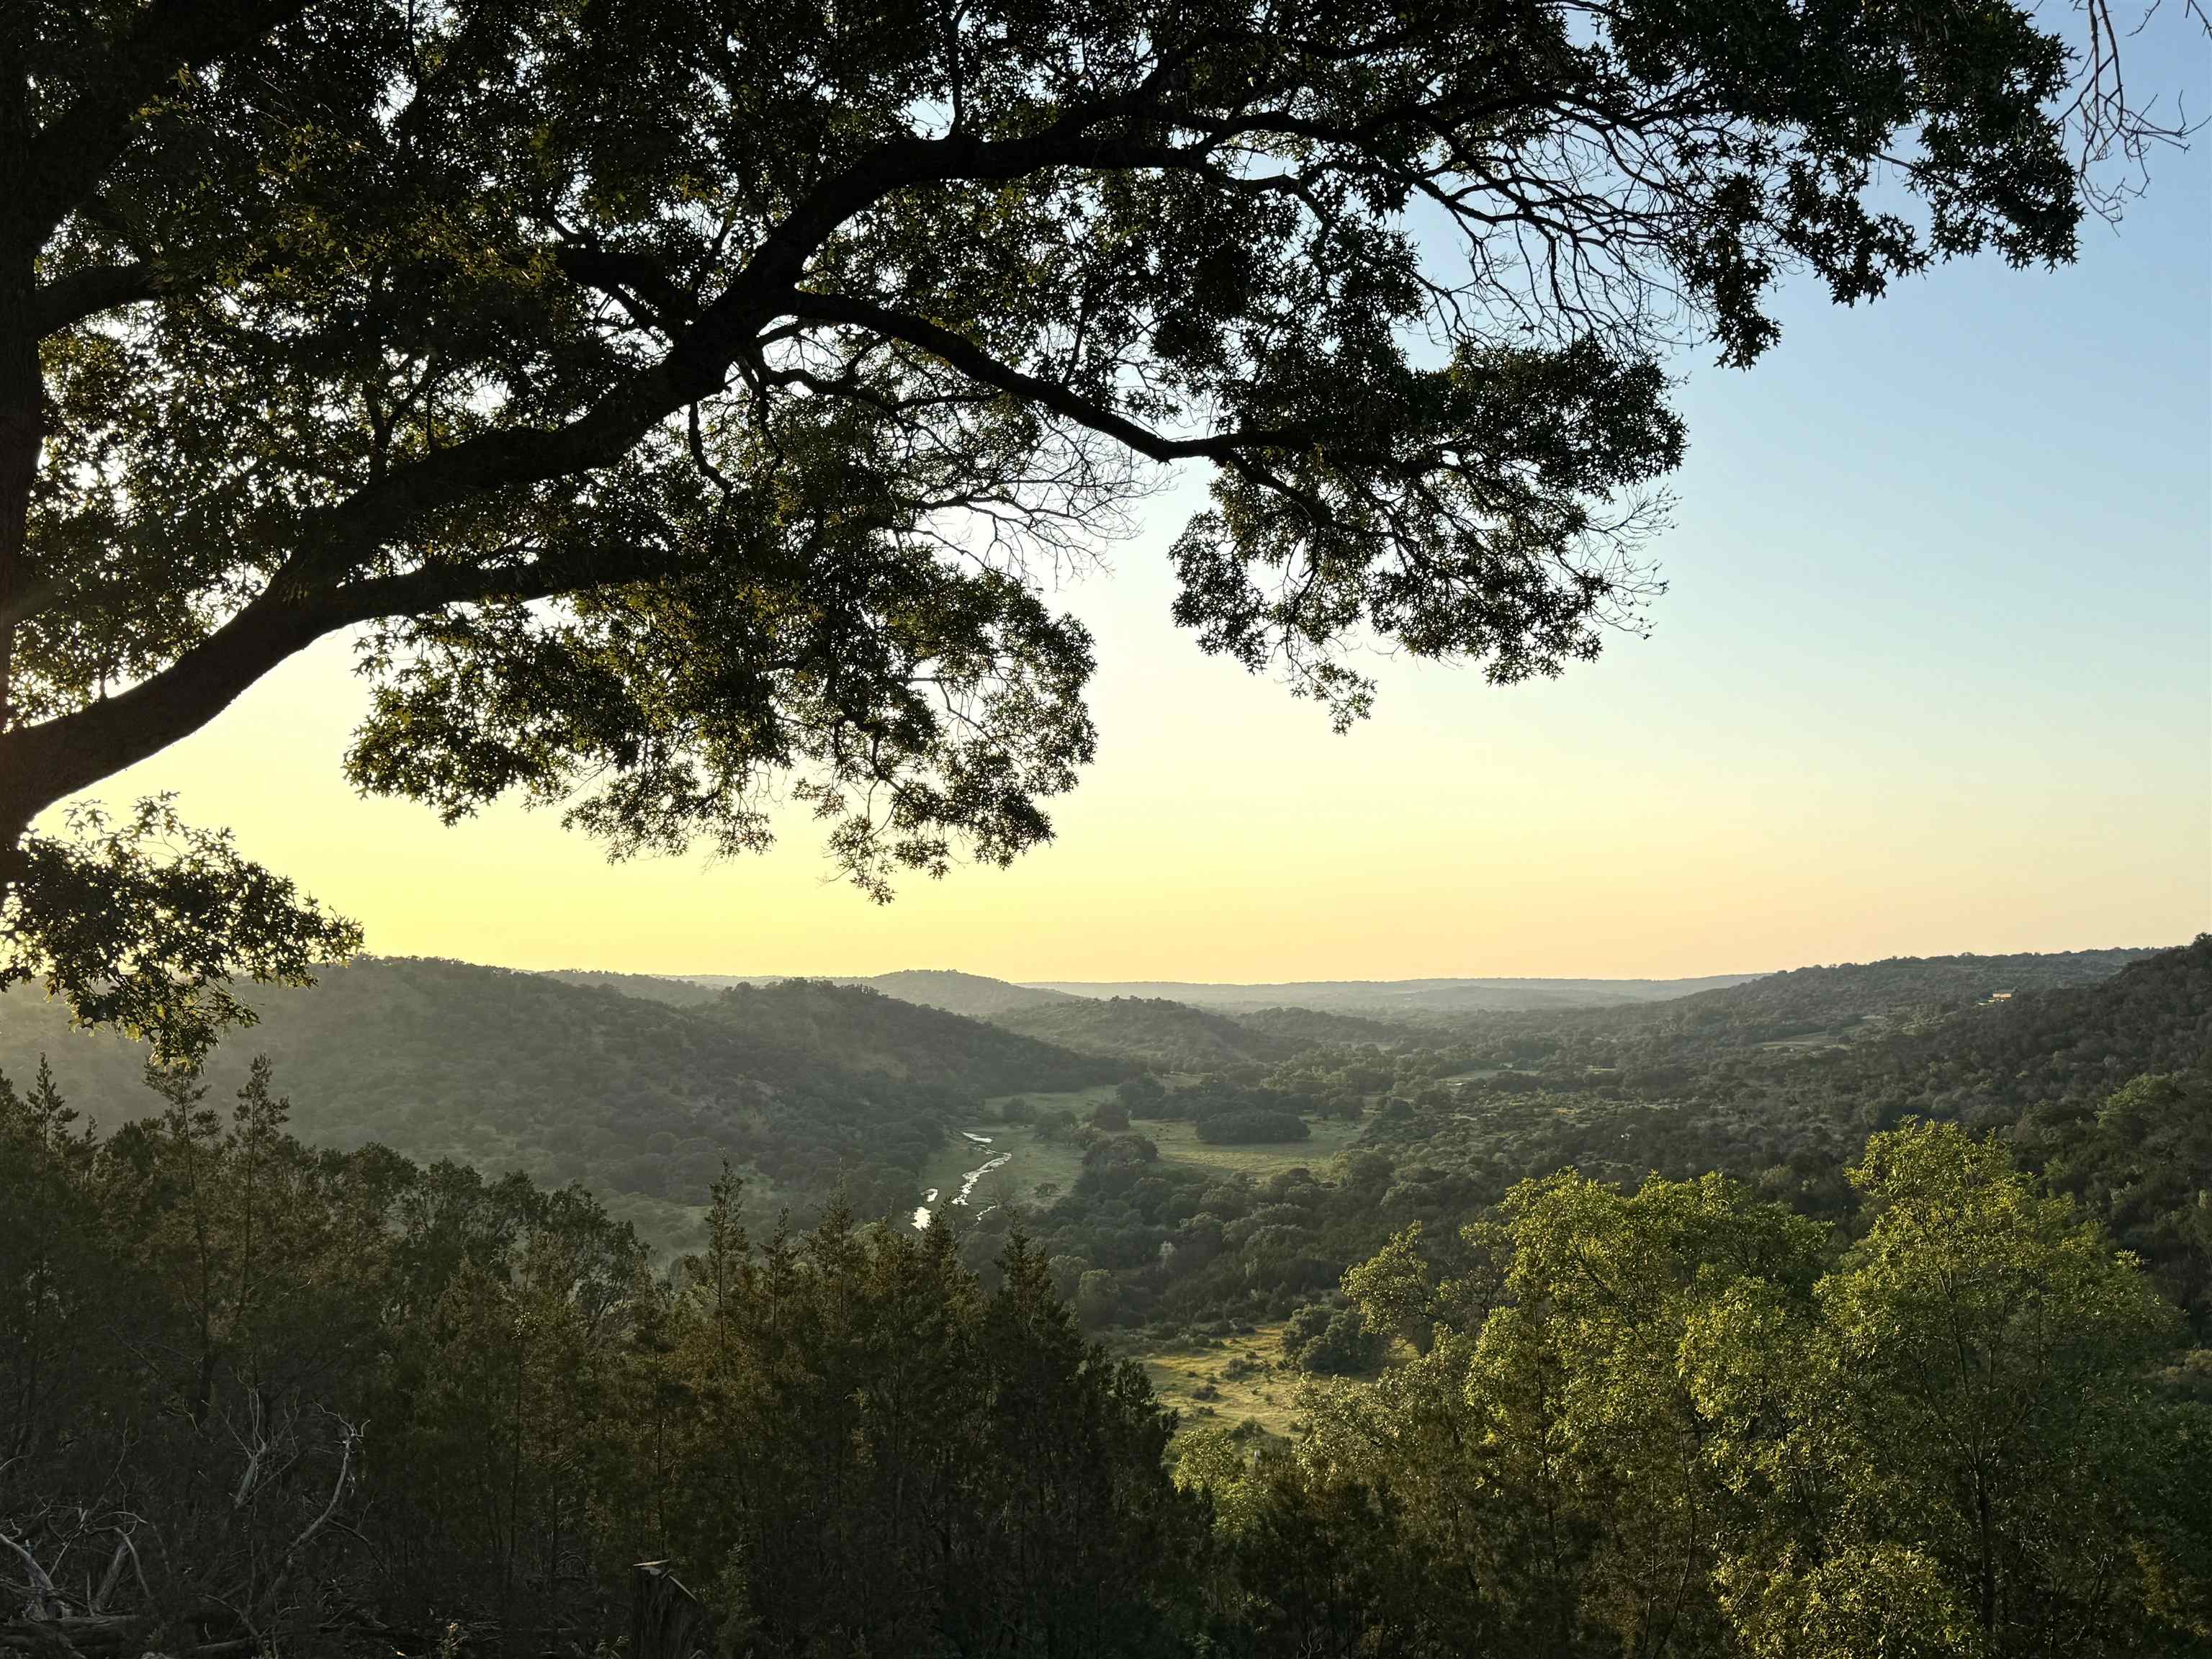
(308,1401)
(253,1393)
(672,398)
(1689,1430)
(143,924)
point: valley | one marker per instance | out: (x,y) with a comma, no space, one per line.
(1243,1250)
(1185,1169)
(1367,560)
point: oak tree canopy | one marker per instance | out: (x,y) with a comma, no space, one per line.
(675,397)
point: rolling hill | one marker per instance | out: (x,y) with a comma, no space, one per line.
(1307,1027)
(1897,990)
(649,988)
(1809,1007)
(1795,1070)
(1398,999)
(2067,1042)
(972,994)
(642,1087)
(859,1030)
(976,995)
(800,1085)
(1172,1037)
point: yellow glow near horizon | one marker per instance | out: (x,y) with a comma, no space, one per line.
(1572,829)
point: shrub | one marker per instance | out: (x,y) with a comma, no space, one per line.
(1332,1341)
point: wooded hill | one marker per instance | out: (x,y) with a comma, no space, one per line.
(976,995)
(802,1086)
(973,995)
(1172,1037)
(651,988)
(1898,989)
(1453,1121)
(1752,1028)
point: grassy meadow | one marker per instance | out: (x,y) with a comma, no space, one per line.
(1219,1384)
(1179,1143)
(1036,1161)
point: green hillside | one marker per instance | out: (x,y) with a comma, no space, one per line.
(802,1086)
(862,1032)
(1798,1067)
(1809,999)
(1851,1002)
(2068,1042)
(650,987)
(1152,1032)
(976,995)
(1448,1123)
(1307,1028)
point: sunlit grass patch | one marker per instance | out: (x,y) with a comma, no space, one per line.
(1076,1101)
(1180,1142)
(1219,1384)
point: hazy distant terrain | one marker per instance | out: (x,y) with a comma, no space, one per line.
(649,987)
(974,995)
(1408,996)
(983,997)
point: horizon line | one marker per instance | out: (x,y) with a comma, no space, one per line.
(1419,979)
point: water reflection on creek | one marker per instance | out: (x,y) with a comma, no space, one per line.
(922,1212)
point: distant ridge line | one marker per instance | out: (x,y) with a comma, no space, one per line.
(1403,1000)
(1127,987)
(985,997)
(1124,988)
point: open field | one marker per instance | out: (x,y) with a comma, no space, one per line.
(1195,1379)
(1079,1101)
(1036,1161)
(1033,1163)
(1180,1143)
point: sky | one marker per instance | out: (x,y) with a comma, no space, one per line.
(1933,674)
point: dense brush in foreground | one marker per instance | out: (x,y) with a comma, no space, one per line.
(257,1397)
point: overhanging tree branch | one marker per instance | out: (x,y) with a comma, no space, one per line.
(971,360)
(418,287)
(67,159)
(43,763)
(86,292)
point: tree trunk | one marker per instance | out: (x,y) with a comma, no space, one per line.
(667,1620)
(22,432)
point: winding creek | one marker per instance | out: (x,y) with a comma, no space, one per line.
(996,1160)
